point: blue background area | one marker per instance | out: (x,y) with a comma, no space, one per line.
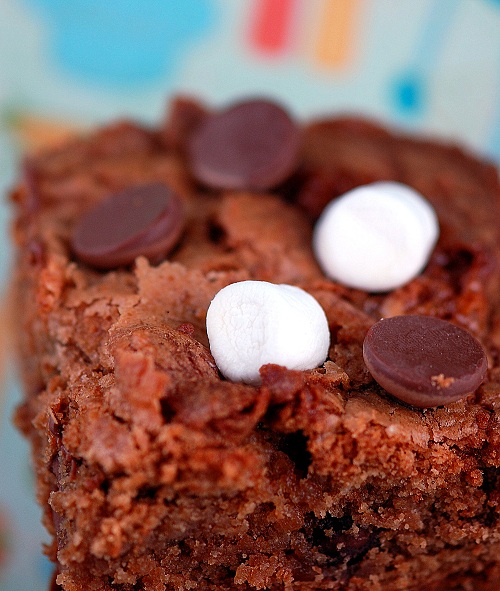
(26,567)
(426,65)
(411,87)
(122,42)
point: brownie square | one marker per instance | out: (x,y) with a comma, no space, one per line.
(156,473)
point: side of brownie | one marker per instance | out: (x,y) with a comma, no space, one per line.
(156,473)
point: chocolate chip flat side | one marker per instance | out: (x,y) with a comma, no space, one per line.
(424,361)
(155,473)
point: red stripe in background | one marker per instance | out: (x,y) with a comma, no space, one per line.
(270,26)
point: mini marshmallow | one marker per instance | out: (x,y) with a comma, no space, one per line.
(376,237)
(252,323)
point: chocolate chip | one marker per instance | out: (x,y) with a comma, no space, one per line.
(251,145)
(185,116)
(142,220)
(424,361)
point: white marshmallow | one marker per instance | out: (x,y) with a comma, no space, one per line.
(252,323)
(376,237)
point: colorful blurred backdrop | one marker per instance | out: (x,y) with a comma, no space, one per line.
(432,66)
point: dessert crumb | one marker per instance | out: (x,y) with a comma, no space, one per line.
(441,381)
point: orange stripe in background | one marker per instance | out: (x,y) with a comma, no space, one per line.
(270,29)
(336,32)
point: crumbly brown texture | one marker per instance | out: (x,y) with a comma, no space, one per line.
(157,474)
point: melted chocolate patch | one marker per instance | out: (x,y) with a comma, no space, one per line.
(294,445)
(340,540)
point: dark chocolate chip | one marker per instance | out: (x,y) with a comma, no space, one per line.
(251,145)
(185,116)
(424,361)
(142,220)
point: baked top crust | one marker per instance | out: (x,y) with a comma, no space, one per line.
(153,470)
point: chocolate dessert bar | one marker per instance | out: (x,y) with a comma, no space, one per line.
(159,470)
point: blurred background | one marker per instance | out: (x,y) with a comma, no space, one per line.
(429,66)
